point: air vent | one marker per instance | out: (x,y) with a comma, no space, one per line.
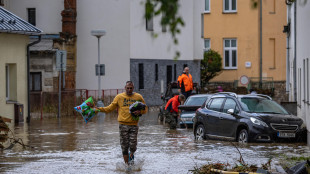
(284,127)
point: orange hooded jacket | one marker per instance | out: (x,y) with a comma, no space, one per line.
(172,104)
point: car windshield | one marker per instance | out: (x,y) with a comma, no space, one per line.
(261,105)
(195,101)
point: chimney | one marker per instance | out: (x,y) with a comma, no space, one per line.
(68,19)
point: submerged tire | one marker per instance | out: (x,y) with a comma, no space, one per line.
(243,136)
(200,132)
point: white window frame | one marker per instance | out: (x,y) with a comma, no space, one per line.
(230,49)
(205,49)
(207,10)
(230,10)
(7,82)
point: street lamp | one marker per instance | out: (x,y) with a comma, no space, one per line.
(98,34)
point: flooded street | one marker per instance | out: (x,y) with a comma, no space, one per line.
(68,145)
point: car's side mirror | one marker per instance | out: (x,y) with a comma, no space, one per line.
(231,111)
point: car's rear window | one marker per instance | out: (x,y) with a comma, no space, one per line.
(261,105)
(195,101)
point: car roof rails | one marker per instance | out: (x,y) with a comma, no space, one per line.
(262,95)
(228,93)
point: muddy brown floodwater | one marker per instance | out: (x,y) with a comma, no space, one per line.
(68,145)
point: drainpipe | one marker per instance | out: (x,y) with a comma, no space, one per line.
(28,74)
(295,52)
(260,44)
(288,70)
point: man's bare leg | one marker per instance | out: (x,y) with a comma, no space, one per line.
(125,158)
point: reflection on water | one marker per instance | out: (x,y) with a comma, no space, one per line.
(68,145)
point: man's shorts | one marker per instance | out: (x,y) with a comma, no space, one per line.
(128,138)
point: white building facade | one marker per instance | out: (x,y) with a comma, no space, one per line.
(299,58)
(128,49)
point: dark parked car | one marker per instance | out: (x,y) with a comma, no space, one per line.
(246,118)
(189,108)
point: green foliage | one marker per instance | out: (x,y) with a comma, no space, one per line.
(211,66)
(169,11)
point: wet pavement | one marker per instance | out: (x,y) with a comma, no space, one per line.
(68,145)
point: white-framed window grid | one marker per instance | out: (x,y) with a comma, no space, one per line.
(207,6)
(229,6)
(207,45)
(230,54)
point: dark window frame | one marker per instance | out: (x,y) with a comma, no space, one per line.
(32,16)
(156,72)
(169,74)
(141,76)
(32,81)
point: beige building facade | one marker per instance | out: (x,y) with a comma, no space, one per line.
(14,44)
(234,29)
(13,72)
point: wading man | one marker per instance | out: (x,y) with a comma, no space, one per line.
(128,126)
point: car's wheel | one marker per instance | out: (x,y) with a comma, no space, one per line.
(200,132)
(243,136)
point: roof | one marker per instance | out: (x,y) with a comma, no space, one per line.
(46,43)
(11,23)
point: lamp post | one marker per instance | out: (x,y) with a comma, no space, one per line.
(98,34)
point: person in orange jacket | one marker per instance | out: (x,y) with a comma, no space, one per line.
(172,111)
(185,83)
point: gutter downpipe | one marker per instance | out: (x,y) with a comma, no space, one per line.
(288,71)
(28,75)
(295,52)
(261,45)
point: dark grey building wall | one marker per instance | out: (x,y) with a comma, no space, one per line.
(151,91)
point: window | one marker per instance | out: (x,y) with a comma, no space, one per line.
(272,6)
(230,6)
(230,53)
(11,82)
(1,2)
(156,72)
(149,24)
(207,6)
(272,52)
(202,25)
(230,104)
(141,76)
(35,81)
(206,45)
(7,82)
(169,74)
(215,104)
(175,72)
(32,16)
